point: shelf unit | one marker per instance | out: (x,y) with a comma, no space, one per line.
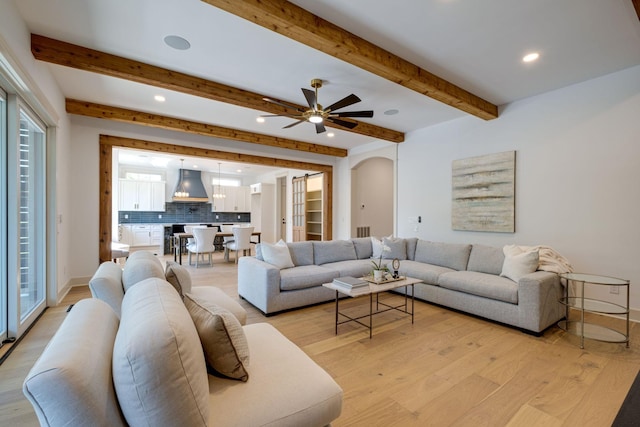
(591,305)
(314,209)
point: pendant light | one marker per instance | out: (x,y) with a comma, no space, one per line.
(219,194)
(181,191)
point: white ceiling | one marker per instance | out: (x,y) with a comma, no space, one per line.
(477,45)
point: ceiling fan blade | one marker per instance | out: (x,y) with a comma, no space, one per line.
(311,98)
(283,104)
(367,113)
(293,124)
(344,123)
(344,102)
(320,128)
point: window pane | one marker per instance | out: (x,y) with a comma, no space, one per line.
(30,228)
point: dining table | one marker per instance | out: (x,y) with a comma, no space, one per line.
(180,238)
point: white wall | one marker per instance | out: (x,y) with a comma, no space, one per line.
(577,175)
(44,96)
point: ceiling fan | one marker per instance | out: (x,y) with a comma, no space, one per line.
(316,114)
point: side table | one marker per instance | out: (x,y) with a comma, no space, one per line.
(589,305)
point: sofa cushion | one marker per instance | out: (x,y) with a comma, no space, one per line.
(363,247)
(354,267)
(223,341)
(518,263)
(277,255)
(450,255)
(106,284)
(332,251)
(481,284)
(136,270)
(486,259)
(159,369)
(305,276)
(428,273)
(394,248)
(286,388)
(178,276)
(221,299)
(71,382)
(301,252)
(411,247)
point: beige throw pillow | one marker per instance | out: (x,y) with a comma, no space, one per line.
(225,346)
(518,263)
(179,277)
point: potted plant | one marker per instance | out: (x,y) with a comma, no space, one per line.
(378,267)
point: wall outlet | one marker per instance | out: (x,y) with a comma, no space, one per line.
(126,216)
(614,290)
(159,216)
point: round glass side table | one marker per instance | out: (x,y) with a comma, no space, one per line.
(591,305)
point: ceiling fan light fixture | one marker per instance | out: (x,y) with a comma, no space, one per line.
(316,118)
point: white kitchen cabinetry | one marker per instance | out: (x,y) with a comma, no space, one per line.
(136,235)
(263,212)
(237,199)
(142,195)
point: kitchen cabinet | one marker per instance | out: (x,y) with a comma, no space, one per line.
(237,199)
(141,195)
(142,235)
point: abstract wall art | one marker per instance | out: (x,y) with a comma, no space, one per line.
(483,193)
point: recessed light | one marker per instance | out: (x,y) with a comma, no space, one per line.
(177,42)
(391,112)
(260,120)
(195,166)
(330,135)
(159,98)
(239,170)
(530,57)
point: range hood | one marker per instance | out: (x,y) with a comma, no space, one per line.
(189,187)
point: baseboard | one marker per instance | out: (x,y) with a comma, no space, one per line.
(71,283)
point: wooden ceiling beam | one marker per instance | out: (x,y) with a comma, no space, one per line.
(81,58)
(90,109)
(296,23)
(636,5)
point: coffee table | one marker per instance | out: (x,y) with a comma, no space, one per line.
(371,290)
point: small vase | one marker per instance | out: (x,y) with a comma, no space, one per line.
(378,275)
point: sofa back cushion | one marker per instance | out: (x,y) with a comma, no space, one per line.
(411,247)
(450,255)
(486,259)
(333,251)
(106,285)
(301,253)
(71,382)
(140,268)
(363,247)
(394,248)
(159,370)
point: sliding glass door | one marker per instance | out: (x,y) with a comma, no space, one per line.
(26,217)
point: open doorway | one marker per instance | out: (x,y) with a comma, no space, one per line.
(372,198)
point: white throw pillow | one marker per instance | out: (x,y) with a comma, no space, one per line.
(277,255)
(518,263)
(376,245)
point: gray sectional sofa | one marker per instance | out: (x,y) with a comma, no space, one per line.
(463,277)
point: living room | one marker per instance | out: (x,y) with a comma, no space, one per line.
(576,173)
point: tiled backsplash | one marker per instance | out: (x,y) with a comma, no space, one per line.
(182,213)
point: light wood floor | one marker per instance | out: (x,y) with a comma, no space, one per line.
(448,369)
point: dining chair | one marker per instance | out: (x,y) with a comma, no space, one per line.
(226,228)
(241,241)
(203,238)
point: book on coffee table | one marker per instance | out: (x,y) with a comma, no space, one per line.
(349,282)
